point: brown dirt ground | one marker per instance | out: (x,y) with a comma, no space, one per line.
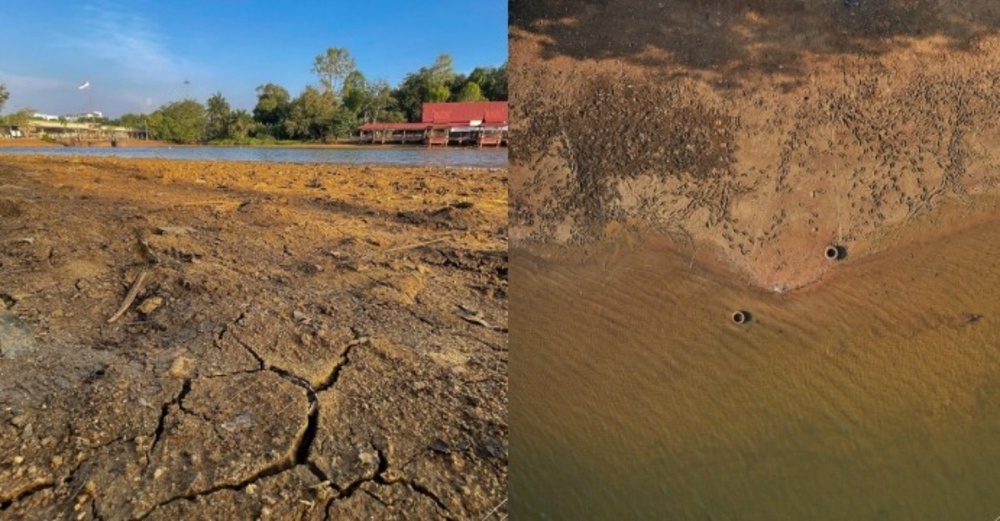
(308,342)
(762,130)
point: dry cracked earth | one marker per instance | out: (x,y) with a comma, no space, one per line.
(305,342)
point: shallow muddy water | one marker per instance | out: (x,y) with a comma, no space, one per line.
(872,395)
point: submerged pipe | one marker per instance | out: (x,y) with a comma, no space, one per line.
(741,317)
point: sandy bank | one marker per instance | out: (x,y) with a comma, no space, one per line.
(767,137)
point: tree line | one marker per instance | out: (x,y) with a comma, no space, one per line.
(343,100)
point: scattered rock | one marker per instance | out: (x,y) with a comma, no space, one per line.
(492,448)
(440,446)
(181,367)
(174,230)
(15,337)
(150,305)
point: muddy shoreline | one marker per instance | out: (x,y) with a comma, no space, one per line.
(307,341)
(753,138)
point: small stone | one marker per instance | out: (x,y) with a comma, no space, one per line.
(56,462)
(492,448)
(150,305)
(181,367)
(440,446)
(18,460)
(19,421)
(174,230)
(368,459)
(158,473)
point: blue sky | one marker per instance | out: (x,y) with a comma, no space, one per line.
(137,54)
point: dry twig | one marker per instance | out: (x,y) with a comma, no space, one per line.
(130,297)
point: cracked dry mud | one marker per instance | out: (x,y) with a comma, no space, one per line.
(300,347)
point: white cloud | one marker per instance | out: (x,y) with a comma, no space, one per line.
(124,55)
(127,42)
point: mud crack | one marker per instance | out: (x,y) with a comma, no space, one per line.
(334,375)
(261,365)
(304,447)
(424,491)
(379,477)
(164,411)
(238,487)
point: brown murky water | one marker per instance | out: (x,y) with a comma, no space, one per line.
(874,395)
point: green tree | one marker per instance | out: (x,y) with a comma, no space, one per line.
(409,96)
(442,71)
(380,100)
(343,123)
(355,94)
(217,117)
(241,123)
(493,82)
(273,104)
(4,96)
(332,68)
(311,115)
(133,120)
(367,99)
(20,118)
(427,84)
(438,93)
(470,92)
(180,122)
(440,78)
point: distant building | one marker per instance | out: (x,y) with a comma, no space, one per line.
(482,123)
(85,116)
(72,117)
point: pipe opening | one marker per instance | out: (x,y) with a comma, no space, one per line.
(835,252)
(741,317)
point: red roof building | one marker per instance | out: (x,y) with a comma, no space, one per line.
(466,113)
(480,122)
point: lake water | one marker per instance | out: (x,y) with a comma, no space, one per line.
(457,157)
(872,396)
